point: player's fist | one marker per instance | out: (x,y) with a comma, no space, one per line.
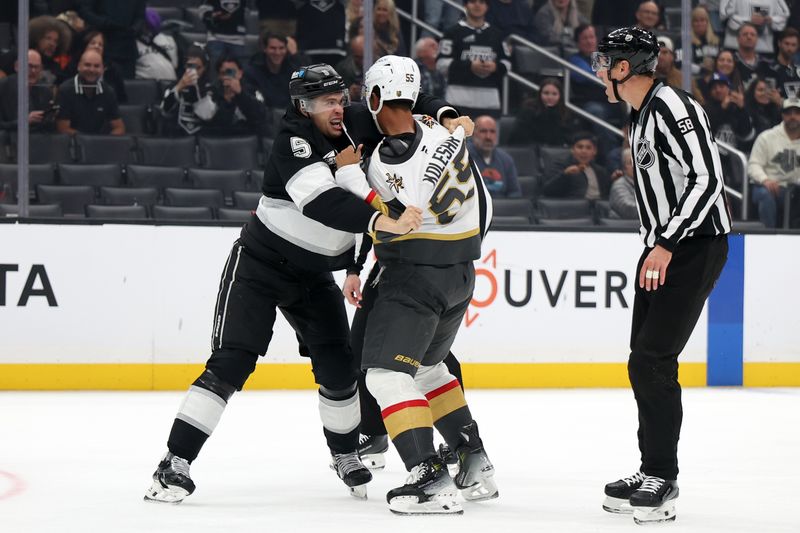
(352,289)
(410,220)
(349,156)
(464,121)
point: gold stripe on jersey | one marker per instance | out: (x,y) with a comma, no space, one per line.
(431,236)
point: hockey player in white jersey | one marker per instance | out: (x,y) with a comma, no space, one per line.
(425,287)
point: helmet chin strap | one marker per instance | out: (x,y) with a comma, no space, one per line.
(615,83)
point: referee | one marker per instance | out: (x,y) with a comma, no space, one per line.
(684,224)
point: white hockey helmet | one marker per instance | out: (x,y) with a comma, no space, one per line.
(395,77)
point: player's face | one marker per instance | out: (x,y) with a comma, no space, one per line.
(327,113)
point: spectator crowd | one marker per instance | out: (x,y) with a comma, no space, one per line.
(221,69)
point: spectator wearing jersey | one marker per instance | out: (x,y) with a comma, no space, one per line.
(622,197)
(158,52)
(186,104)
(351,68)
(496,165)
(433,82)
(580,176)
(225,27)
(86,103)
(277,16)
(556,21)
(321,29)
(512,16)
(120,22)
(763,104)
(548,121)
(237,108)
(775,164)
(784,73)
(765,16)
(270,69)
(95,40)
(474,58)
(705,43)
(748,61)
(41,113)
(730,122)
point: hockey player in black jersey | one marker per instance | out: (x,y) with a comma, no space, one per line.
(303,229)
(426,286)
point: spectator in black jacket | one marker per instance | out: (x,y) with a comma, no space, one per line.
(95,40)
(511,16)
(580,176)
(224,21)
(763,104)
(730,122)
(277,16)
(548,122)
(41,115)
(237,109)
(269,70)
(351,68)
(193,87)
(120,22)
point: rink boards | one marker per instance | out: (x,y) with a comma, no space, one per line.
(130,307)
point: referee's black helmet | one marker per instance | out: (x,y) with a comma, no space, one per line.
(637,46)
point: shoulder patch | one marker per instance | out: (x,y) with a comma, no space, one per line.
(686,125)
(300,147)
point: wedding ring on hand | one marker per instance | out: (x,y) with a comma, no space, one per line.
(651,274)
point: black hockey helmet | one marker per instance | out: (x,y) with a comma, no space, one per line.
(637,46)
(309,82)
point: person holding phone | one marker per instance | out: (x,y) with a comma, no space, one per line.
(768,17)
(41,117)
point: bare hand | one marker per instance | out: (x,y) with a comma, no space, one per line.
(737,98)
(464,121)
(656,262)
(757,19)
(189,78)
(574,169)
(479,68)
(775,96)
(349,156)
(409,221)
(726,102)
(234,85)
(616,174)
(35,117)
(772,186)
(352,290)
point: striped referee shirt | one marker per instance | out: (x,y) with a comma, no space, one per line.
(679,187)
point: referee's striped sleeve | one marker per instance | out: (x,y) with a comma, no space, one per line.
(684,125)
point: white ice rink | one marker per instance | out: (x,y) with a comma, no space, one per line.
(80,462)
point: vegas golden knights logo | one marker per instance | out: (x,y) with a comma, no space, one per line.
(394,182)
(427,120)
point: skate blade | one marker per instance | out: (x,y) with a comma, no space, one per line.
(617,506)
(440,505)
(374,461)
(157,493)
(654,515)
(481,491)
(359,492)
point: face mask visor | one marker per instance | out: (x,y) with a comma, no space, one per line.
(325,103)
(601,61)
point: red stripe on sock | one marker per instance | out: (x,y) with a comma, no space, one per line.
(403,405)
(441,390)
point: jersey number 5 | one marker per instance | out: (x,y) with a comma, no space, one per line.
(447,193)
(300,147)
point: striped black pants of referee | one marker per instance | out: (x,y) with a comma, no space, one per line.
(663,320)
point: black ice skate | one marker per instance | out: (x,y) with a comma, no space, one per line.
(619,493)
(171,481)
(654,501)
(475,470)
(352,471)
(429,489)
(371,449)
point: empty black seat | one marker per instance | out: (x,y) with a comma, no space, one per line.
(142,92)
(169,212)
(50,148)
(743,226)
(246,200)
(117,212)
(38,210)
(167,152)
(266,146)
(238,215)
(5,149)
(228,153)
(568,222)
(510,221)
(529,185)
(73,199)
(226,181)
(108,175)
(256,180)
(152,176)
(167,12)
(194,197)
(553,159)
(555,208)
(505,125)
(105,149)
(525,159)
(194,37)
(146,196)
(37,175)
(136,119)
(515,207)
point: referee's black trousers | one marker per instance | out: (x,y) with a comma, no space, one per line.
(663,320)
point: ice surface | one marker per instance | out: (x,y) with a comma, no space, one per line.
(82,461)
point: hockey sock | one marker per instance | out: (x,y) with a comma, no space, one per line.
(405,413)
(341,417)
(198,415)
(371,421)
(446,397)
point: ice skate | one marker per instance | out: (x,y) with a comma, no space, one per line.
(171,481)
(429,489)
(654,501)
(475,477)
(352,471)
(371,449)
(619,493)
